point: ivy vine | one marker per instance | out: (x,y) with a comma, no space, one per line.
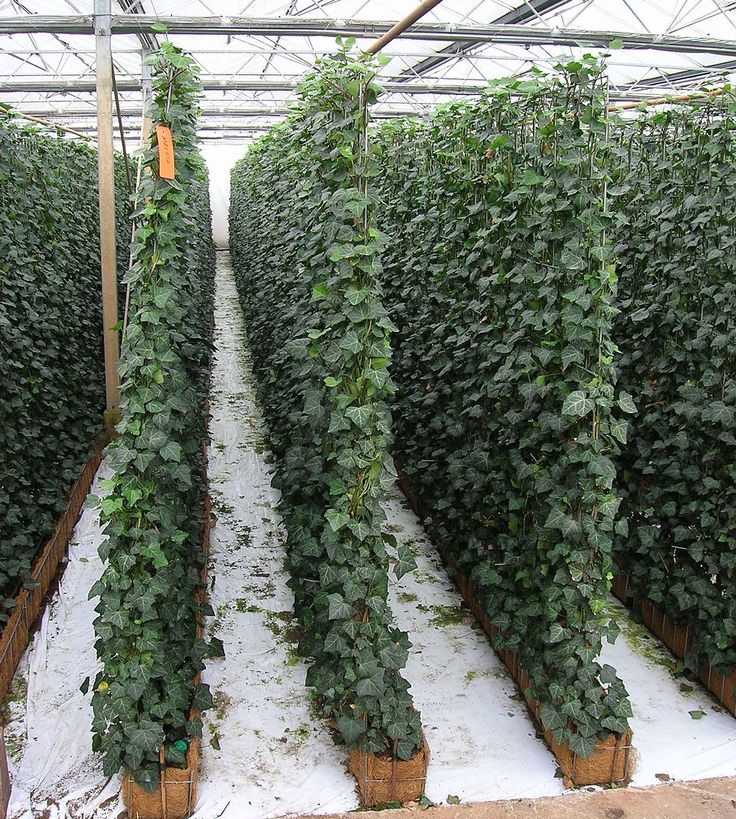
(147,694)
(500,276)
(307,264)
(51,361)
(675,236)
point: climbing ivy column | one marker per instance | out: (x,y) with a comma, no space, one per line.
(676,207)
(335,467)
(146,695)
(501,277)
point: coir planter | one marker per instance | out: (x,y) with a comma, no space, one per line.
(612,760)
(174,798)
(382,778)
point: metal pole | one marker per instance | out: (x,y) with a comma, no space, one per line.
(106,182)
(147,89)
(121,131)
(146,124)
(402,25)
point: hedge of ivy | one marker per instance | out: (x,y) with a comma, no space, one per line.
(676,241)
(500,278)
(307,266)
(52,386)
(147,694)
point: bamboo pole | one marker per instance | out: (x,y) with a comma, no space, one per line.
(651,103)
(106,181)
(402,25)
(12,113)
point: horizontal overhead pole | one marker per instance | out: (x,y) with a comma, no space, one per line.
(256,129)
(245,113)
(55,86)
(20,86)
(522,35)
(690,76)
(524,13)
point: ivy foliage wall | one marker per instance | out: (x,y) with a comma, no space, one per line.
(675,238)
(52,386)
(307,266)
(147,694)
(501,279)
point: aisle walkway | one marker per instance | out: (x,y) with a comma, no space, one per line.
(483,743)
(264,751)
(53,770)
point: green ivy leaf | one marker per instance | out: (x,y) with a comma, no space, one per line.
(146,735)
(336,519)
(577,404)
(626,403)
(351,730)
(339,608)
(405,561)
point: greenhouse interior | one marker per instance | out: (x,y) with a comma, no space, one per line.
(367,408)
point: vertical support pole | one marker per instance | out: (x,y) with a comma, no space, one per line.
(106,183)
(147,89)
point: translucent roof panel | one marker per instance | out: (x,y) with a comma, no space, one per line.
(674,45)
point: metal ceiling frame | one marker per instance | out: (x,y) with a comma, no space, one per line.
(529,10)
(413,88)
(513,34)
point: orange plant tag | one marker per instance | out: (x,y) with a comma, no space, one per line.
(165,152)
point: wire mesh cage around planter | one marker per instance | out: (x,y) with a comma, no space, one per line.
(176,795)
(383,779)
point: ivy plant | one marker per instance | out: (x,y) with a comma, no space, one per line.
(674,235)
(500,276)
(307,264)
(147,694)
(51,360)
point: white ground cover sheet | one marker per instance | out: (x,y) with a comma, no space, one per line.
(53,770)
(264,752)
(274,756)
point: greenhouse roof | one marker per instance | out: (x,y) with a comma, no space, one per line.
(253,52)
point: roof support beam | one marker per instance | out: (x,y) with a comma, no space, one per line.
(689,76)
(83,114)
(13,85)
(149,42)
(527,11)
(302,27)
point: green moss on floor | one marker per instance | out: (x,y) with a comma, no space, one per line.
(422,576)
(222,508)
(496,673)
(412,545)
(393,528)
(641,641)
(12,710)
(443,616)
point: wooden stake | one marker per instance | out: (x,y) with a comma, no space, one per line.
(12,113)
(106,182)
(402,25)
